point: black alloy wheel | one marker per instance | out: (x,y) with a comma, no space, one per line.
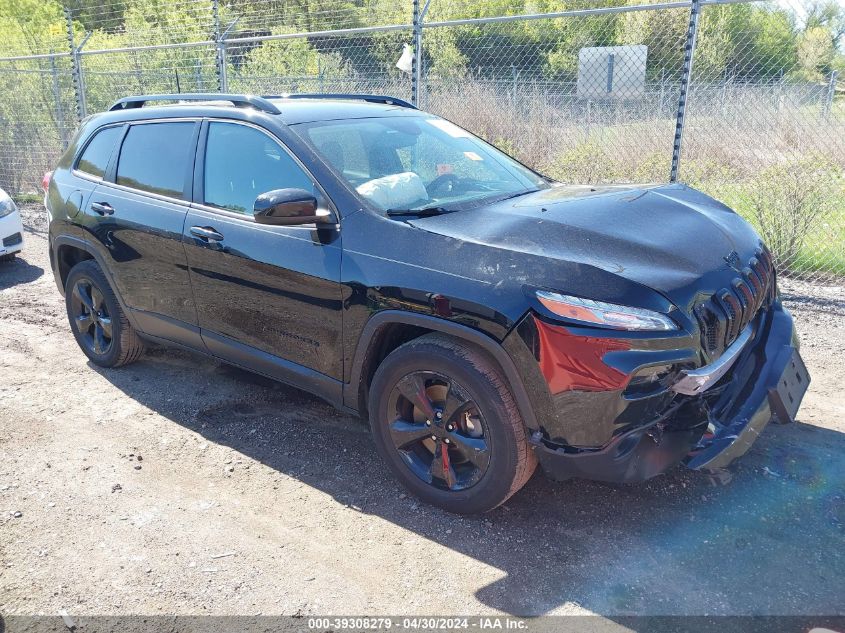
(446,424)
(438,431)
(91,317)
(98,322)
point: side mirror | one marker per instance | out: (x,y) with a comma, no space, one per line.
(289,207)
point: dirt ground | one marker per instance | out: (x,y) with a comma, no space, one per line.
(179,485)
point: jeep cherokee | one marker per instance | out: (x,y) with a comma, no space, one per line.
(483,317)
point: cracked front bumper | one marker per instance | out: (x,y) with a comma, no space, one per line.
(705,431)
(769,381)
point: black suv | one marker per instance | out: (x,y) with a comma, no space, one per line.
(482,316)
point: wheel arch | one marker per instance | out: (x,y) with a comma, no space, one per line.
(73,250)
(67,255)
(388,329)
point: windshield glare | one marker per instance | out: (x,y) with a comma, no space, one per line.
(418,162)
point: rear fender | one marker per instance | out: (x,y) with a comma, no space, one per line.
(79,243)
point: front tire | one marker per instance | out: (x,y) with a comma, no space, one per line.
(447,425)
(98,322)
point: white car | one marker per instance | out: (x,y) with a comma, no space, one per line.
(11,228)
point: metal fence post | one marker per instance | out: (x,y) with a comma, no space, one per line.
(321,84)
(417,61)
(220,51)
(686,73)
(222,65)
(78,80)
(83,99)
(416,67)
(57,96)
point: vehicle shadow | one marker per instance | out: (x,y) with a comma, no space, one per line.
(18,271)
(767,542)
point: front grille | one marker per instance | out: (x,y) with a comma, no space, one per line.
(12,240)
(724,315)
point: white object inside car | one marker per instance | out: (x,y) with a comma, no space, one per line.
(396,191)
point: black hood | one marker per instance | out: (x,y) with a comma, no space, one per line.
(670,238)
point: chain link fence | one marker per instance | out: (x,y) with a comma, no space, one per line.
(765,133)
(736,97)
(331,62)
(573,96)
(37,118)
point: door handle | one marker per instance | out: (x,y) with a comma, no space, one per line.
(206,233)
(103,208)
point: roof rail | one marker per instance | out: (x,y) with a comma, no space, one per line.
(359,97)
(238,100)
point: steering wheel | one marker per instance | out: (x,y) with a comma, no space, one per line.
(444,183)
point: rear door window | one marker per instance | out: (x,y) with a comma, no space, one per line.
(155,157)
(95,158)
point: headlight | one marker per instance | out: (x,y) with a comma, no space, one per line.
(7,206)
(607,315)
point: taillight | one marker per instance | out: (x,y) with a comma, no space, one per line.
(45,181)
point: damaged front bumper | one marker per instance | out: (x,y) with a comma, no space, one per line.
(769,381)
(716,416)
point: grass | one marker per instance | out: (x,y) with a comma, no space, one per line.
(27,198)
(823,247)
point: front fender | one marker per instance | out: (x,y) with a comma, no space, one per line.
(370,333)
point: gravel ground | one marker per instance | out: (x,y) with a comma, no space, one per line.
(179,485)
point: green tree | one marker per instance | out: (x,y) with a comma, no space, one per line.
(829,14)
(815,53)
(663,32)
(32,26)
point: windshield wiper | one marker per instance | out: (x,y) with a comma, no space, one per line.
(422,213)
(517,194)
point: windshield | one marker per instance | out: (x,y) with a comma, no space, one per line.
(418,162)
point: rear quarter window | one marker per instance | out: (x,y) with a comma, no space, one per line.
(95,158)
(154,157)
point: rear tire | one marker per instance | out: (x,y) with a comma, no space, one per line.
(98,322)
(8,258)
(473,419)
